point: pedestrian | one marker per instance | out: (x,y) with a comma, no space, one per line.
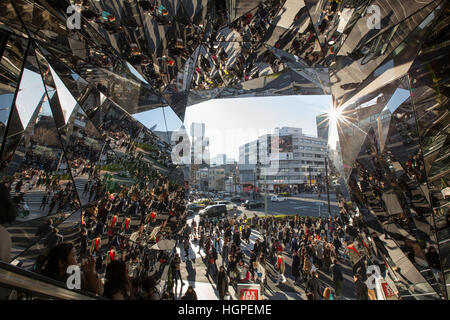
(225,251)
(281,268)
(338,278)
(242,272)
(63,255)
(211,271)
(361,288)
(176,270)
(45,229)
(313,287)
(222,283)
(117,285)
(44,201)
(186,245)
(307,266)
(190,294)
(201,243)
(53,239)
(295,266)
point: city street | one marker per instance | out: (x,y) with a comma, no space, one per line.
(305,204)
(193,272)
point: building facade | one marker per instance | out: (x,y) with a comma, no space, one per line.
(287,160)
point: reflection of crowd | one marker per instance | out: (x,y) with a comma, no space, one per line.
(117,251)
(389,184)
(37,173)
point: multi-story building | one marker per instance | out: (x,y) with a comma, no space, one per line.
(322,124)
(219,160)
(199,156)
(216,178)
(288,160)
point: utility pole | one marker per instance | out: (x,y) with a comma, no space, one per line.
(254,184)
(310,180)
(265,193)
(326,181)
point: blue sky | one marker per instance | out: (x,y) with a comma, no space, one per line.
(231,123)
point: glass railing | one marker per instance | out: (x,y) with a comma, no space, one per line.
(20,284)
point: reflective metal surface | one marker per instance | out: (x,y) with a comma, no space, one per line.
(71,150)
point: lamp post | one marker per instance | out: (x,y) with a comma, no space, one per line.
(254,184)
(326,182)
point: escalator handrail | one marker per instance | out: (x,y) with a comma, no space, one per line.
(22,280)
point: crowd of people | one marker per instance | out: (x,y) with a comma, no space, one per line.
(315,245)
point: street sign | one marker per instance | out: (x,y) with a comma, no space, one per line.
(249,291)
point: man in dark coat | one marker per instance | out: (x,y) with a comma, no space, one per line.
(222,283)
(338,278)
(190,294)
(361,288)
(313,286)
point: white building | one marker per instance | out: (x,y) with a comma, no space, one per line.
(296,161)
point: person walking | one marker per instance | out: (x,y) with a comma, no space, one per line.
(307,266)
(53,239)
(211,271)
(45,229)
(222,283)
(281,266)
(201,243)
(295,266)
(362,292)
(190,294)
(176,272)
(225,252)
(186,245)
(338,278)
(313,287)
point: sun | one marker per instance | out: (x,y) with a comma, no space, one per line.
(334,115)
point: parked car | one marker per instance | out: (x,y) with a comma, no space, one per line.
(277,198)
(217,210)
(252,204)
(230,206)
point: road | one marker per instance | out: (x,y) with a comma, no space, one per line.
(303,204)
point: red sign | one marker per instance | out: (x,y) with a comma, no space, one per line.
(388,293)
(250,294)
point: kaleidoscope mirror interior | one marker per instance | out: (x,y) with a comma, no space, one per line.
(76,164)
